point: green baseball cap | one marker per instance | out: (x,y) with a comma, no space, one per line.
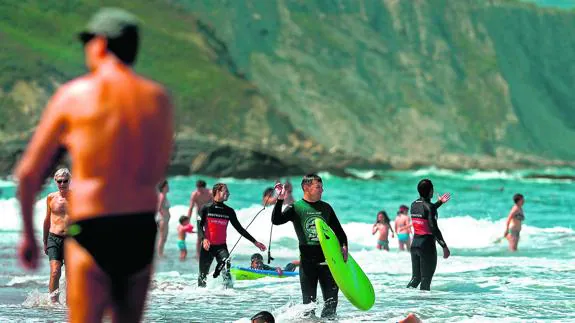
(110,23)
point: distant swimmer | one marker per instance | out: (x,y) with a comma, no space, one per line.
(117,128)
(514,222)
(403,228)
(302,214)
(263,317)
(382,227)
(200,197)
(163,216)
(55,226)
(183,228)
(215,218)
(423,252)
(257,262)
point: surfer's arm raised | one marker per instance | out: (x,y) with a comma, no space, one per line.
(279,217)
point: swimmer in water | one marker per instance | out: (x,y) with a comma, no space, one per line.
(117,128)
(257,262)
(514,222)
(382,226)
(403,228)
(184,227)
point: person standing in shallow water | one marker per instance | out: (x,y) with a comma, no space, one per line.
(117,127)
(55,227)
(514,222)
(424,220)
(303,214)
(163,216)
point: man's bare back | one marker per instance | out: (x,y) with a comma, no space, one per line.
(199,198)
(124,119)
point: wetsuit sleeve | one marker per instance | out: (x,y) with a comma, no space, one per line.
(279,217)
(203,217)
(336,227)
(434,228)
(437,204)
(237,225)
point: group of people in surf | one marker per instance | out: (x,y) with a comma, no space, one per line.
(118,129)
(404,226)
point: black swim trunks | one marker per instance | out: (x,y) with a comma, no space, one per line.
(55,247)
(121,244)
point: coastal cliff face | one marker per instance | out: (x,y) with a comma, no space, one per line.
(268,88)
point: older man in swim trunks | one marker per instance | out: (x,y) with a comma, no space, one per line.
(55,226)
(117,127)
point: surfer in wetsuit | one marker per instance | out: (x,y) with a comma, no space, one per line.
(514,221)
(426,232)
(214,220)
(303,214)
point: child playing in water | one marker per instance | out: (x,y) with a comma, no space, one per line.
(382,226)
(184,227)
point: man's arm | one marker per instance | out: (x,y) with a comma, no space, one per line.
(434,228)
(239,228)
(337,229)
(47,221)
(40,154)
(509,218)
(192,202)
(279,217)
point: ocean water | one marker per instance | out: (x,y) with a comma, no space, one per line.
(481,281)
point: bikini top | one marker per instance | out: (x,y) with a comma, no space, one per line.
(519,215)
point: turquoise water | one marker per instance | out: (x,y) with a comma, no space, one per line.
(480,282)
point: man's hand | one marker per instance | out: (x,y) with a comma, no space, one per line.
(344,253)
(206,244)
(28,252)
(260,245)
(46,248)
(444,198)
(446,253)
(279,271)
(280,191)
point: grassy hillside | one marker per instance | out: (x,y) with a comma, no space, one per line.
(40,50)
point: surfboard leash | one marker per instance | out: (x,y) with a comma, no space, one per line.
(221,265)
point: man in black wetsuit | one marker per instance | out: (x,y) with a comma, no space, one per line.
(426,232)
(303,214)
(214,220)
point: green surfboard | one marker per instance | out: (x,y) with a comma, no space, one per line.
(349,277)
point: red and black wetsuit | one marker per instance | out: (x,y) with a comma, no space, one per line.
(423,252)
(214,220)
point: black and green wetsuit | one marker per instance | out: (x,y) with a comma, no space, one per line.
(303,214)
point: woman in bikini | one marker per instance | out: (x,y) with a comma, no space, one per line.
(163,216)
(514,221)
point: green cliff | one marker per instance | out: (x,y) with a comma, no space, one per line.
(289,86)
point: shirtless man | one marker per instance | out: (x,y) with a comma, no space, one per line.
(118,130)
(514,221)
(200,197)
(403,228)
(55,225)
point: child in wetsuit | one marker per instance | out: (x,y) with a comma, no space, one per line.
(383,227)
(184,227)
